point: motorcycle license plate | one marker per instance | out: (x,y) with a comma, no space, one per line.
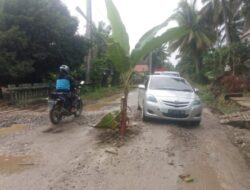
(51,103)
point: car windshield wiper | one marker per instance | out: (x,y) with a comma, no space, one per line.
(174,89)
(183,90)
(164,89)
(186,90)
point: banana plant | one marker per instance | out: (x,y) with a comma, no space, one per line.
(124,59)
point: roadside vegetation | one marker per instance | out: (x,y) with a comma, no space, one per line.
(214,53)
(218,104)
(100,92)
(36,37)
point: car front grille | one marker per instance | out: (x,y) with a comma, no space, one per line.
(176,104)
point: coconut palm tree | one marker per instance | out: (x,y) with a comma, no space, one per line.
(199,36)
(101,34)
(160,56)
(246,13)
(226,18)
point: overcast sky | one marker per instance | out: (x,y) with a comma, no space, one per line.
(137,15)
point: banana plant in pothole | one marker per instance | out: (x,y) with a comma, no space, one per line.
(124,60)
(110,120)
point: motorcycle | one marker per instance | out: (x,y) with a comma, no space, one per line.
(57,107)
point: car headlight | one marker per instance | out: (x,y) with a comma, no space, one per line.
(196,102)
(151,98)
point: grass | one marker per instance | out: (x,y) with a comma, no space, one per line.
(247,94)
(101,92)
(219,103)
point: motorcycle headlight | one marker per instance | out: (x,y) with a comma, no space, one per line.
(196,102)
(151,98)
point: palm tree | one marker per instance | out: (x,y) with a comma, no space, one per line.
(101,35)
(199,35)
(159,57)
(226,18)
(246,14)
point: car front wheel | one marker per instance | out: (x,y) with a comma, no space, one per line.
(196,123)
(143,116)
(138,107)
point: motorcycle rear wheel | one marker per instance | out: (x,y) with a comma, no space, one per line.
(79,108)
(55,114)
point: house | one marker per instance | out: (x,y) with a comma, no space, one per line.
(160,69)
(141,68)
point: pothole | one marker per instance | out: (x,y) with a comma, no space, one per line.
(104,102)
(13,129)
(14,164)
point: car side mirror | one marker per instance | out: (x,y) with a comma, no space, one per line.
(196,90)
(141,86)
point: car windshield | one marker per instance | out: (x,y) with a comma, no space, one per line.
(168,83)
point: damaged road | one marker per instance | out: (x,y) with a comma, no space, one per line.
(155,155)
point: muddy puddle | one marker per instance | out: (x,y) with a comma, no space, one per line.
(14,164)
(104,102)
(13,129)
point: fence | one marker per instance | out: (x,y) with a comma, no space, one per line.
(25,93)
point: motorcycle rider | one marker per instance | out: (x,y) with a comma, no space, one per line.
(65,83)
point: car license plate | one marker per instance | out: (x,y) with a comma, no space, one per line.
(164,110)
(177,112)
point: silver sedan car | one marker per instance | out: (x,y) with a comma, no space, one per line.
(168,97)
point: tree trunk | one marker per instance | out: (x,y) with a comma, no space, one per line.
(198,65)
(124,105)
(226,22)
(150,57)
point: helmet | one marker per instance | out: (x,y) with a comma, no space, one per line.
(64,68)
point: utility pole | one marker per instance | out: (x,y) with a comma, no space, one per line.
(88,35)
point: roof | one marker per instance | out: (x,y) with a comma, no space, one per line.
(161,69)
(141,68)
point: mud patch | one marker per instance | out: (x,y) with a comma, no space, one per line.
(13,129)
(104,102)
(14,164)
(112,98)
(113,137)
(95,107)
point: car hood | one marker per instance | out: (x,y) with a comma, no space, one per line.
(172,95)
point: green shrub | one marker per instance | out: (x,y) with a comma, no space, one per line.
(219,103)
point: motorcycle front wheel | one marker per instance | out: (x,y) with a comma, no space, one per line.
(55,114)
(79,108)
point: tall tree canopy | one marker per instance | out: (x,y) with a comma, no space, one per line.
(35,38)
(199,36)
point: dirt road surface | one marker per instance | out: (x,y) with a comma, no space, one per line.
(157,155)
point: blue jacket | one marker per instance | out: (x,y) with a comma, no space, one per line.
(64,83)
